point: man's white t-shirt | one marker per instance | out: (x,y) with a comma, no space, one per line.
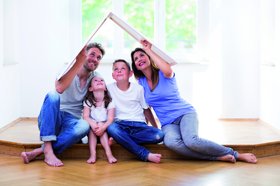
(130,103)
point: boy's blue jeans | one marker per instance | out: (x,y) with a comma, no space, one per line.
(60,127)
(181,136)
(130,134)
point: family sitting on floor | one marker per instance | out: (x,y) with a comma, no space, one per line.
(84,105)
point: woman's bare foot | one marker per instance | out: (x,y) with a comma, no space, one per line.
(227,158)
(111,159)
(52,160)
(247,157)
(155,158)
(92,159)
(28,156)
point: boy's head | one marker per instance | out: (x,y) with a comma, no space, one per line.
(121,70)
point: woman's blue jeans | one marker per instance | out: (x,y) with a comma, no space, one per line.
(182,137)
(130,134)
(60,127)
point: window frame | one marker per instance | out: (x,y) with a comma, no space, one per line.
(198,54)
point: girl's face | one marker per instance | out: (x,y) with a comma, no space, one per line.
(97,83)
(141,60)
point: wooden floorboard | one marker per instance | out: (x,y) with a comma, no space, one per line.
(247,136)
(137,173)
(253,136)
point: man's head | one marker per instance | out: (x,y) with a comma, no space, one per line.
(95,52)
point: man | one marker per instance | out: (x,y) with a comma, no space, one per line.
(60,122)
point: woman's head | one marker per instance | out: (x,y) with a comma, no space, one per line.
(141,61)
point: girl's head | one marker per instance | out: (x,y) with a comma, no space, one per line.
(141,61)
(97,84)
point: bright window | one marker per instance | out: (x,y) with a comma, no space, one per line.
(173,26)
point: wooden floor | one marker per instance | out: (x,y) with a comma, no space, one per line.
(171,171)
(129,172)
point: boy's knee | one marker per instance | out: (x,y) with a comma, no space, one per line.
(159,136)
(112,129)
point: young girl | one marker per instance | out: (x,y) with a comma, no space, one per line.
(177,117)
(99,112)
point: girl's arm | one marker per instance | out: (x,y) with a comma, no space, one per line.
(163,65)
(110,119)
(150,117)
(91,122)
(63,83)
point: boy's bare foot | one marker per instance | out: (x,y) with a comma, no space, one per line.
(111,159)
(155,158)
(247,157)
(52,160)
(228,158)
(111,141)
(92,159)
(28,156)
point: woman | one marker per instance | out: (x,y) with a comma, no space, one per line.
(177,117)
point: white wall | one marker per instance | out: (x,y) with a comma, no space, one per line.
(228,87)
(9,74)
(270,71)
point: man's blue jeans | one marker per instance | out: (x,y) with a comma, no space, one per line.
(60,127)
(181,136)
(130,134)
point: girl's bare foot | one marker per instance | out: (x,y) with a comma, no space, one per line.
(92,159)
(227,158)
(28,156)
(247,157)
(52,160)
(111,159)
(155,158)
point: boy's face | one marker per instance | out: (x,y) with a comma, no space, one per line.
(121,72)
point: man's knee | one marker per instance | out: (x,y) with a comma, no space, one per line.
(82,127)
(52,97)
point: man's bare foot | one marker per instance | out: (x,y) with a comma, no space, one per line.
(28,156)
(227,158)
(111,159)
(155,158)
(247,157)
(52,160)
(92,159)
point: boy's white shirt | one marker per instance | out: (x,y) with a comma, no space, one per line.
(129,104)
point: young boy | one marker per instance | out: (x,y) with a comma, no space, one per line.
(130,128)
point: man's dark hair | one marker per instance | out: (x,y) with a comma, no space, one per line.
(96,45)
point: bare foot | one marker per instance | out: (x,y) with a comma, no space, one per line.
(52,160)
(228,158)
(28,156)
(92,159)
(111,159)
(155,158)
(247,157)
(111,141)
